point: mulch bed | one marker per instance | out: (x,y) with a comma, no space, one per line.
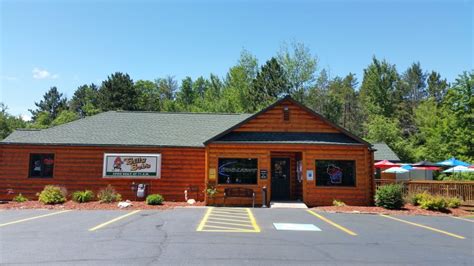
(408,209)
(95,205)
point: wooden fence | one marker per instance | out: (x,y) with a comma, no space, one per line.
(461,189)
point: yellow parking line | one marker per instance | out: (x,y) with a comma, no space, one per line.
(340,227)
(33,218)
(463,219)
(204,219)
(112,221)
(241,214)
(225,219)
(252,220)
(233,229)
(217,222)
(229,216)
(423,226)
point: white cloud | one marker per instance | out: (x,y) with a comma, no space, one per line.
(39,73)
(26,117)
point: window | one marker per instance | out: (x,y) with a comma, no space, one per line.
(335,173)
(41,165)
(237,171)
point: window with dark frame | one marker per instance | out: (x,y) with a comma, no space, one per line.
(237,171)
(337,173)
(41,165)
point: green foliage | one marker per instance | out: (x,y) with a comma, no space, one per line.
(8,122)
(82,196)
(108,195)
(84,102)
(416,198)
(20,198)
(417,113)
(185,97)
(453,202)
(270,83)
(389,196)
(52,195)
(299,67)
(52,104)
(211,190)
(338,203)
(154,199)
(456,177)
(118,93)
(64,117)
(434,203)
(378,88)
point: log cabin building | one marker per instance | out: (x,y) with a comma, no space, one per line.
(292,151)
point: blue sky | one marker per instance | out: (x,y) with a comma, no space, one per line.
(69,43)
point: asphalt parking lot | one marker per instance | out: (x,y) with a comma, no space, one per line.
(231,236)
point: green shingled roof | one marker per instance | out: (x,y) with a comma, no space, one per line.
(133,129)
(383,152)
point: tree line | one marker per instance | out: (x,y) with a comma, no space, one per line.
(417,113)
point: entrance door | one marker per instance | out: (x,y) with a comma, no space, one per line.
(280,178)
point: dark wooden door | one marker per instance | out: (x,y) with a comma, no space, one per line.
(280,178)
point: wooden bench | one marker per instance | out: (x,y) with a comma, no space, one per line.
(239,192)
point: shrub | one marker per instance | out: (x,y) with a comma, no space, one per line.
(415,199)
(453,202)
(82,196)
(154,199)
(389,196)
(52,195)
(20,198)
(108,195)
(434,203)
(338,203)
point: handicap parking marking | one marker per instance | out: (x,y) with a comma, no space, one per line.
(230,220)
(112,221)
(340,227)
(423,226)
(295,227)
(33,218)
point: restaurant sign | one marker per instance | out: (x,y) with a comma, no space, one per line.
(132,165)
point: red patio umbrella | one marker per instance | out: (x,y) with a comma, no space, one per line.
(433,168)
(385,164)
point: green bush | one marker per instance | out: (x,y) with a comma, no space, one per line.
(389,196)
(434,203)
(52,195)
(338,203)
(82,196)
(416,199)
(469,176)
(20,198)
(154,199)
(108,195)
(453,202)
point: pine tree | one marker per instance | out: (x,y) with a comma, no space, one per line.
(269,84)
(118,93)
(53,103)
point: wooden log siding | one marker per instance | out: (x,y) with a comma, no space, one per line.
(80,168)
(300,121)
(361,194)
